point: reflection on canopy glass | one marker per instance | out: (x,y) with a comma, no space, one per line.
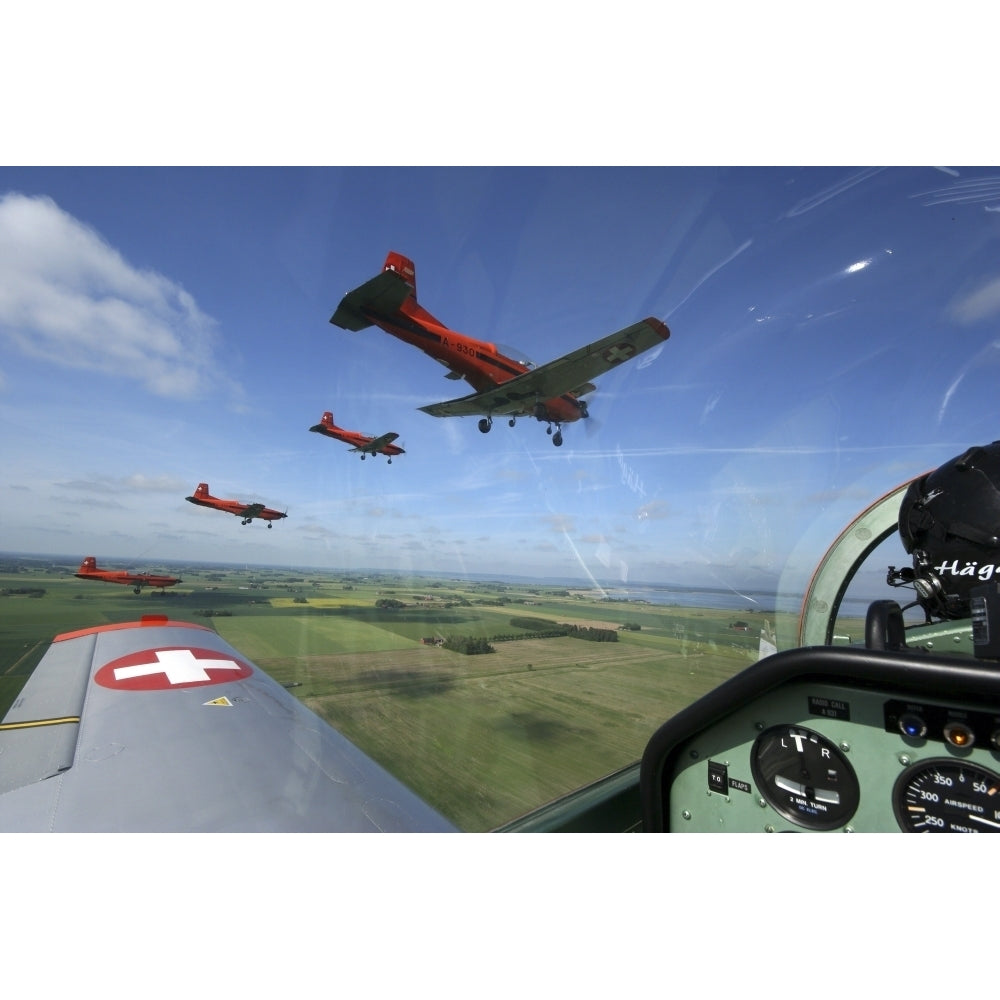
(734,363)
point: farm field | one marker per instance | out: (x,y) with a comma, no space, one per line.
(483,738)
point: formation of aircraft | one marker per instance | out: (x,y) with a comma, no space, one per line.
(551,393)
(246,511)
(381,445)
(89,570)
(188,674)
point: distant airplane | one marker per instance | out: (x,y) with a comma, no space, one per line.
(89,571)
(248,511)
(504,385)
(161,726)
(362,442)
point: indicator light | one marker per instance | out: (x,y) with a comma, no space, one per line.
(958,734)
(912,725)
(995,739)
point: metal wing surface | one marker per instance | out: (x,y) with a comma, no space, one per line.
(163,726)
(566,374)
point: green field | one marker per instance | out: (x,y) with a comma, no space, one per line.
(483,738)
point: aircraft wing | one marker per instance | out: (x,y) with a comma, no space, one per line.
(570,373)
(162,726)
(252,510)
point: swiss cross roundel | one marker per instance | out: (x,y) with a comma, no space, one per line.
(171,667)
(619,352)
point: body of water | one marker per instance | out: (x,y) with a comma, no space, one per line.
(723,600)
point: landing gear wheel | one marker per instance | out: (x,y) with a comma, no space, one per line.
(511,422)
(557,439)
(485,424)
(269,524)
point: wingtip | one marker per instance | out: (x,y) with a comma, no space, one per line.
(659,326)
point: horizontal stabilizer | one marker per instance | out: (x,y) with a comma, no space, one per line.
(383,294)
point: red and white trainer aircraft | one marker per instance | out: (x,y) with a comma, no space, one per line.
(89,570)
(247,511)
(504,385)
(381,445)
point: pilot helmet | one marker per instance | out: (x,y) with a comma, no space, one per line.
(949,521)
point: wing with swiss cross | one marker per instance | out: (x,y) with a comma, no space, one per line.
(162,726)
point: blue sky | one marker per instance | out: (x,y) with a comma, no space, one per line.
(834,331)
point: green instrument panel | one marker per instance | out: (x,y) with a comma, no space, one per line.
(815,756)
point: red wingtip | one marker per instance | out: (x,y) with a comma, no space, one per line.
(659,326)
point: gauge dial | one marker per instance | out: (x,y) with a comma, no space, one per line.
(805,777)
(947,796)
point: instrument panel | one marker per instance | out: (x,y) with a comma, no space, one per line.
(830,739)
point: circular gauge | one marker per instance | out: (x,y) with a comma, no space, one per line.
(947,796)
(805,777)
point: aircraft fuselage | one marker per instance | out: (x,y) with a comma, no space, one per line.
(478,362)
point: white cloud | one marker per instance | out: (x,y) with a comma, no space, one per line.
(982,303)
(69,298)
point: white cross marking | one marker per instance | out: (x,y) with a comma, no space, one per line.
(180,665)
(620,352)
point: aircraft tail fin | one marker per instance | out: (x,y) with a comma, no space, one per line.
(403,266)
(89,565)
(326,425)
(201,492)
(382,295)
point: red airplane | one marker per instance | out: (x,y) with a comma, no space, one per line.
(381,445)
(89,571)
(248,511)
(504,385)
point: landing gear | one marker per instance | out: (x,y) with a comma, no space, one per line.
(269,524)
(137,590)
(557,437)
(362,456)
(485,424)
(389,462)
(512,421)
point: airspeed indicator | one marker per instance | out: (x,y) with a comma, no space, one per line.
(946,796)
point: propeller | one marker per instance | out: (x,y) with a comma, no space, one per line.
(592,425)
